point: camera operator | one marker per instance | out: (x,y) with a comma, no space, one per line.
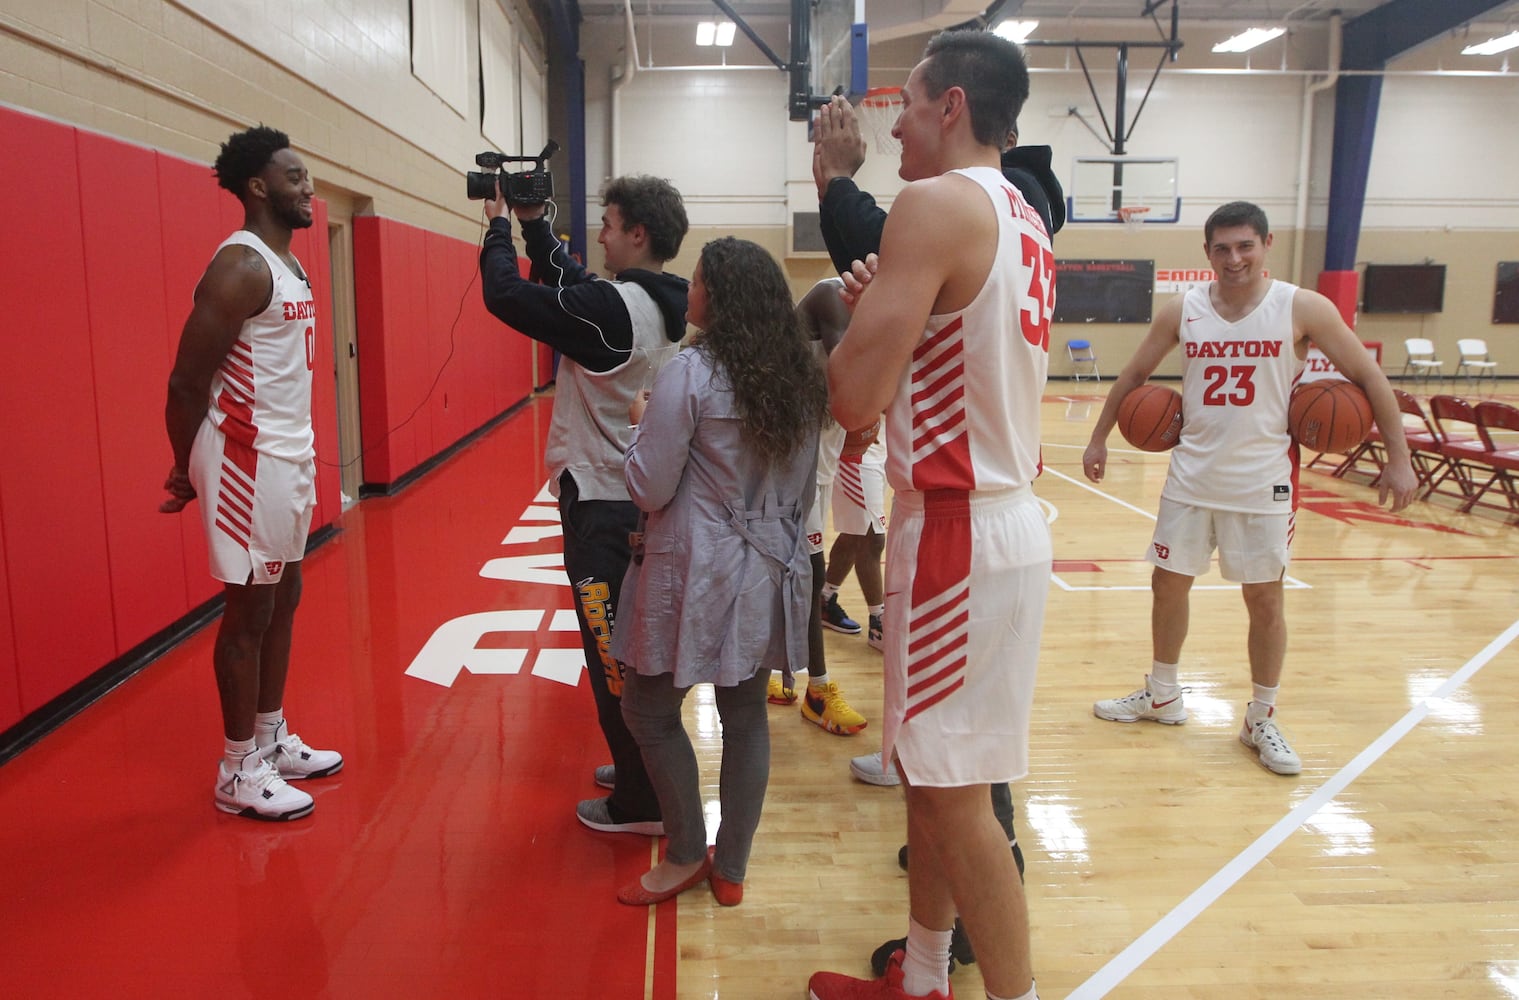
(606,332)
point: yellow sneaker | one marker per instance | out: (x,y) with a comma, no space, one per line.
(778,693)
(826,707)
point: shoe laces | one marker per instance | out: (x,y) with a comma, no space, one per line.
(292,744)
(264,776)
(1267,732)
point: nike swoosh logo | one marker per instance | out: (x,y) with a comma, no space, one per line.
(1193,319)
(1162,704)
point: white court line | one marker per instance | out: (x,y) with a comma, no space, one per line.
(1288,582)
(1105,979)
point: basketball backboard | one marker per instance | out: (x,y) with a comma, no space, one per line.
(829,53)
(1100,185)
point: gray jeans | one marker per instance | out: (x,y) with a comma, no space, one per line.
(651,708)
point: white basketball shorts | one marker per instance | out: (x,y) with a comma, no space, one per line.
(859,492)
(967,577)
(256,510)
(830,441)
(1252,548)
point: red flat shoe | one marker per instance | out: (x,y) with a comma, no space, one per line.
(726,893)
(635,894)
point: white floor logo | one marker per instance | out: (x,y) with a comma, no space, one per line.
(454,646)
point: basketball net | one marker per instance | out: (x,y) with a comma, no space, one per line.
(1133,217)
(878,111)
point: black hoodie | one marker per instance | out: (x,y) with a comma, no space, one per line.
(560,311)
(852,222)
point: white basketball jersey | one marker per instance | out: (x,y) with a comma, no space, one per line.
(261,394)
(1237,378)
(966,414)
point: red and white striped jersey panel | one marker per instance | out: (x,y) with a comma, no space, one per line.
(848,479)
(261,393)
(966,415)
(234,497)
(936,381)
(938,618)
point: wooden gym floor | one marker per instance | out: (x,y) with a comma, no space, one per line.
(1163,862)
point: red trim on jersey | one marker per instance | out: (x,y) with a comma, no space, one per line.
(941,445)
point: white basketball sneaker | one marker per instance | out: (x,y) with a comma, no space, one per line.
(257,791)
(1265,738)
(870,770)
(296,761)
(1142,704)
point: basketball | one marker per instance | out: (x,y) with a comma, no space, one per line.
(1330,415)
(1149,418)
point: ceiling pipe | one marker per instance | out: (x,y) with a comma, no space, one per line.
(1305,146)
(621,77)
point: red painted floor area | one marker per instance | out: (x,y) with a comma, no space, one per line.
(444,861)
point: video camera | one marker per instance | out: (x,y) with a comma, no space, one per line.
(527,187)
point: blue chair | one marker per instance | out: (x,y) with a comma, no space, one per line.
(1083,360)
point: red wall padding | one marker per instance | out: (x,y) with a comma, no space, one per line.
(123,261)
(51,485)
(434,365)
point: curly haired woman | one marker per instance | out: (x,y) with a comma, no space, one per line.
(723,462)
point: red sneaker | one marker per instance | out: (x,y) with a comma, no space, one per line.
(835,986)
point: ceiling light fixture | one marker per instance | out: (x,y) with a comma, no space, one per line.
(715,33)
(1016,31)
(1249,39)
(1493,46)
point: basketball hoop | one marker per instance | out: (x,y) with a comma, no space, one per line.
(878,111)
(1133,216)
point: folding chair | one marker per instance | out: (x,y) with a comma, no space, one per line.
(1462,445)
(1420,360)
(1476,362)
(1423,446)
(1083,360)
(1503,447)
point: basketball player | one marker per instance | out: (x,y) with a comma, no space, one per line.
(1232,485)
(607,333)
(239,422)
(852,223)
(823,316)
(859,516)
(950,338)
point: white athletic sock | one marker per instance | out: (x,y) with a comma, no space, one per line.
(829,590)
(233,751)
(818,681)
(265,725)
(1163,677)
(877,609)
(925,968)
(1262,703)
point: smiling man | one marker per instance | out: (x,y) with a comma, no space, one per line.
(1232,484)
(239,423)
